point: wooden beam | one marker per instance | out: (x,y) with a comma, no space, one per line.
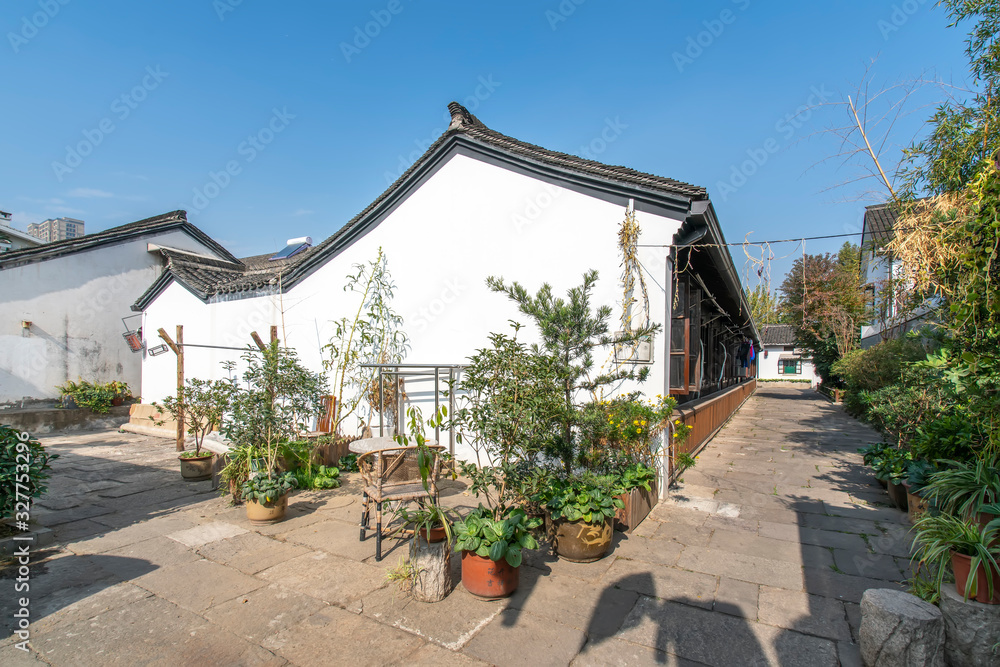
(166,339)
(256,339)
(179,348)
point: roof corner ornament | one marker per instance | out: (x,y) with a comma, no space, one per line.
(461,118)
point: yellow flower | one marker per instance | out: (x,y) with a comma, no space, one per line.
(635,421)
(643,422)
(638,430)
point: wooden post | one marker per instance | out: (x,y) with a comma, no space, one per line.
(258,341)
(178,349)
(274,334)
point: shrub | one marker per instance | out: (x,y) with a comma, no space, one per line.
(95,396)
(875,368)
(24,467)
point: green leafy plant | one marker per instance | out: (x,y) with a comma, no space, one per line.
(622,429)
(685,461)
(268,489)
(374,335)
(918,474)
(24,469)
(320,477)
(203,404)
(938,534)
(584,500)
(964,488)
(637,476)
(496,535)
(96,396)
(348,463)
(276,401)
(571,330)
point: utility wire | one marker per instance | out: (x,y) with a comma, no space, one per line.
(742,243)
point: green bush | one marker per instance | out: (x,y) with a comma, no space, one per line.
(96,396)
(24,467)
(875,368)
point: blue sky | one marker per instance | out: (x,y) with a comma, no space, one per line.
(122,110)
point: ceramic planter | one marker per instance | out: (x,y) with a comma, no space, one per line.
(897,494)
(915,504)
(638,504)
(489,579)
(962,565)
(436,534)
(582,542)
(261,514)
(196,469)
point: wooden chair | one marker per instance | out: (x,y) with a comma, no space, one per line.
(392,475)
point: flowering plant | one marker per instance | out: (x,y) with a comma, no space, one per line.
(625,426)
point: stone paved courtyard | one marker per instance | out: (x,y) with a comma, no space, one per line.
(759,557)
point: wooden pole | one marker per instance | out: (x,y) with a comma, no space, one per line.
(180,388)
(274,334)
(258,341)
(178,349)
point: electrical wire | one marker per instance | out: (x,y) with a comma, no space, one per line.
(761,243)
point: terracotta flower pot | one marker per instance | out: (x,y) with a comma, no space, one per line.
(915,504)
(437,534)
(490,579)
(897,494)
(962,565)
(582,542)
(196,469)
(261,514)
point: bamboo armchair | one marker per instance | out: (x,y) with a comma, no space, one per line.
(392,475)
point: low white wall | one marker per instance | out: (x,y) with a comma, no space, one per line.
(767,368)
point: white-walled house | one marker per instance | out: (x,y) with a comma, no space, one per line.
(63,304)
(885,291)
(476,204)
(781,360)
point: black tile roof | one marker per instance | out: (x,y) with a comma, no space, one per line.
(259,273)
(878,226)
(155,224)
(777,334)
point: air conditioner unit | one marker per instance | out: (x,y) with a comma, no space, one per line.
(636,352)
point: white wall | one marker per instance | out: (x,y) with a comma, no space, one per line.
(468,221)
(75,304)
(767,368)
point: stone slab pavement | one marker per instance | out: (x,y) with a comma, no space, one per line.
(759,557)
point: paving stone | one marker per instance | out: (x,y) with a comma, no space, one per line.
(753,569)
(720,639)
(134,561)
(131,534)
(864,564)
(683,533)
(842,587)
(432,655)
(336,635)
(549,563)
(519,638)
(206,533)
(810,614)
(80,512)
(737,598)
(341,539)
(250,552)
(597,610)
(261,613)
(152,629)
(78,603)
(668,583)
(198,585)
(601,652)
(450,623)
(326,577)
(12,656)
(822,538)
(662,552)
(71,532)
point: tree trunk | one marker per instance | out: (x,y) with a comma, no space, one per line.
(432,563)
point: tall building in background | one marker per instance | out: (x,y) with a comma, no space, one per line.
(56,229)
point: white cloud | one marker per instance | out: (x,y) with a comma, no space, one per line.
(303,211)
(89,193)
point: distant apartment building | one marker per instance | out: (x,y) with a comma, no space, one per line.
(56,229)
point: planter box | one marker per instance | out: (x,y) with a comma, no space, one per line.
(638,504)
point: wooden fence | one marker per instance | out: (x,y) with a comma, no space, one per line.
(707,416)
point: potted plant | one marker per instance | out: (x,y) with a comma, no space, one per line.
(266,496)
(891,468)
(492,543)
(202,404)
(277,401)
(943,539)
(964,489)
(872,455)
(638,485)
(917,476)
(581,511)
